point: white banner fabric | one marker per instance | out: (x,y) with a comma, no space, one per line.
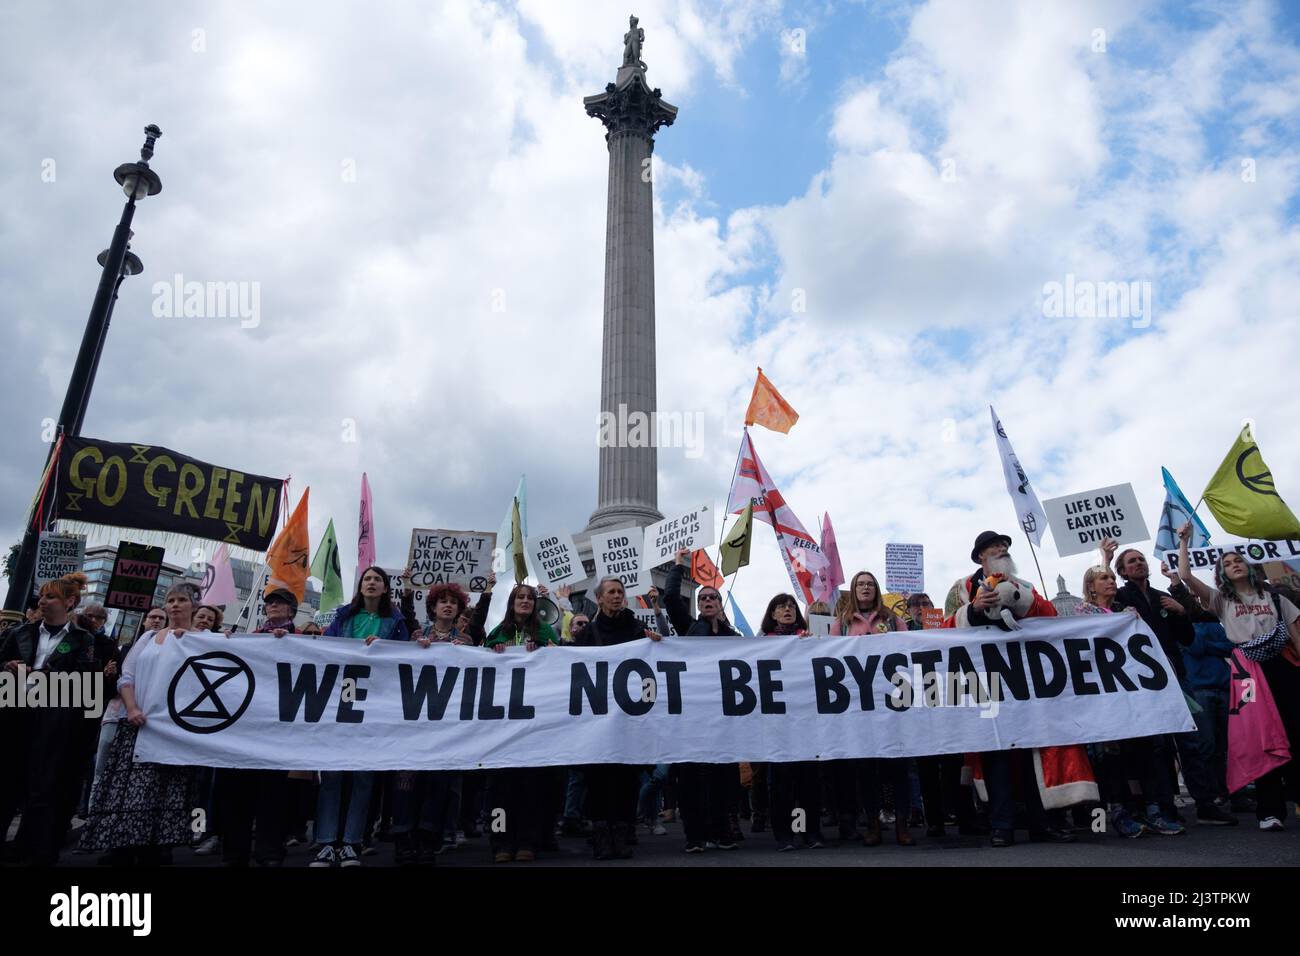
(335,704)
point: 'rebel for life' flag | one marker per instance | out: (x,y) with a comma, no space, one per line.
(768,408)
(1176,513)
(1243,497)
(753,486)
(325,568)
(1029,512)
(287,557)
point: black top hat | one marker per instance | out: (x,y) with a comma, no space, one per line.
(985,539)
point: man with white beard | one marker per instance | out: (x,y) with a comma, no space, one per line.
(1056,777)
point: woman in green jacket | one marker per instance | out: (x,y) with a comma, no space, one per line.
(518,792)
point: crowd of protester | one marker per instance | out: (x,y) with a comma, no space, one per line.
(62,765)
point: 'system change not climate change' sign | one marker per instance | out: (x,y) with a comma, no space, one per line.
(156,489)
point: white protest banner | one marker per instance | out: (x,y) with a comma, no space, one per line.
(663,540)
(1080,522)
(438,556)
(337,704)
(618,555)
(554,558)
(904,568)
(1255,552)
(58,554)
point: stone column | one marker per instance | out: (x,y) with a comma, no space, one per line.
(628,483)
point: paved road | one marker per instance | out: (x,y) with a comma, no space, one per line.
(1243,845)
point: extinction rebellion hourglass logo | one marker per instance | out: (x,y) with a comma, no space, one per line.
(210,692)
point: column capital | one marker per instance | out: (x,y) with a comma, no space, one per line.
(631,107)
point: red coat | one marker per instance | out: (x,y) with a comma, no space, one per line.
(1063,774)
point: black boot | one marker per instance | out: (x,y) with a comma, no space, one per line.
(428,843)
(406,852)
(602,844)
(620,832)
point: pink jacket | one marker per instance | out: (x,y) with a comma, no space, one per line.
(866,624)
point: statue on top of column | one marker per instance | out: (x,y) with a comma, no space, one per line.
(632,41)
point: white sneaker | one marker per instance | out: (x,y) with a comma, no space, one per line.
(326,858)
(658,829)
(348,856)
(208,846)
(1271,823)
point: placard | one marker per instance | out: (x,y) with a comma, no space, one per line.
(438,556)
(555,559)
(691,530)
(904,568)
(820,624)
(618,554)
(57,555)
(931,618)
(135,577)
(648,618)
(1080,522)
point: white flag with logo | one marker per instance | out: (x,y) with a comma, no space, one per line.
(1029,512)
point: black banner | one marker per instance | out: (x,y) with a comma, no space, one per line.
(135,577)
(156,489)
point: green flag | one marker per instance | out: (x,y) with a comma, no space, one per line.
(514,530)
(735,548)
(325,567)
(1241,495)
(517,544)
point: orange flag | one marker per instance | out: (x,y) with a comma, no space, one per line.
(768,408)
(704,571)
(289,559)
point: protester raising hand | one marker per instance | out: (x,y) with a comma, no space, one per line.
(1108,548)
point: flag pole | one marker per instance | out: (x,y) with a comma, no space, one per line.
(1030,541)
(722,534)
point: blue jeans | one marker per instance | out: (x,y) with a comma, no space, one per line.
(330,800)
(575,795)
(652,788)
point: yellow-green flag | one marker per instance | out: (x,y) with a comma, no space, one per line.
(517,544)
(1241,495)
(735,548)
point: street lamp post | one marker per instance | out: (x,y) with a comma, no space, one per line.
(137,181)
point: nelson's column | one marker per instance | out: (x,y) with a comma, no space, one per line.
(628,490)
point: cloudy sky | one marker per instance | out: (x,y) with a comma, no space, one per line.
(866,199)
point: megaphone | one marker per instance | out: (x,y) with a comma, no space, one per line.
(548,612)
